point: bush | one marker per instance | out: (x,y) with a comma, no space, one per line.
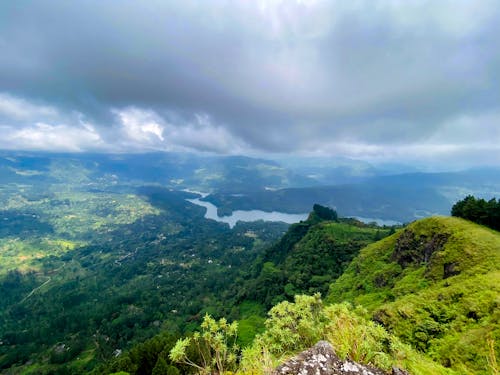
(215,345)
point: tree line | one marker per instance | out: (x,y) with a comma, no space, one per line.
(479,211)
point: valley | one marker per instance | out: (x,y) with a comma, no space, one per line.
(97,262)
(239,187)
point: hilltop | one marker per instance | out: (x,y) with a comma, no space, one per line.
(309,256)
(434,284)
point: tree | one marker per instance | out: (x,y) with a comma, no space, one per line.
(215,345)
(479,211)
(162,368)
(324,213)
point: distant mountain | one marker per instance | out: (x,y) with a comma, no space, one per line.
(232,174)
(402,197)
(484,182)
(341,170)
(386,202)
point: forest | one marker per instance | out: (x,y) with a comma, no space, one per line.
(86,273)
(391,307)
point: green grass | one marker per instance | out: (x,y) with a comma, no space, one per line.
(344,231)
(451,316)
(26,255)
(74,217)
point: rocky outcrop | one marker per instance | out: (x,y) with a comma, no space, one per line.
(322,360)
(413,249)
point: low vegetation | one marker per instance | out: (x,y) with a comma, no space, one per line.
(294,326)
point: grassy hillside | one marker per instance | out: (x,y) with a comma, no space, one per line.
(435,285)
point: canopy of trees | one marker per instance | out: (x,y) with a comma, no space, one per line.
(479,211)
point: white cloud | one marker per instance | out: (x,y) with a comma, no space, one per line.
(27,125)
(201,134)
(145,129)
(19,109)
(47,137)
(470,128)
(411,79)
(141,126)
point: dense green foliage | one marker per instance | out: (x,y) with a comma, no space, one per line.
(479,211)
(149,357)
(216,346)
(436,286)
(296,326)
(108,270)
(308,257)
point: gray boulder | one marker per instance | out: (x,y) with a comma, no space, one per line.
(322,360)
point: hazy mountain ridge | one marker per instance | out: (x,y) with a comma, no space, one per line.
(244,183)
(176,170)
(403,197)
(384,201)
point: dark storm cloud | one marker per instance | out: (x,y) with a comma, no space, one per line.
(364,78)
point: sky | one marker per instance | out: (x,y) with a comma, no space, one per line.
(383,81)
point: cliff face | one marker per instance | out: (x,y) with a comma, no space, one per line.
(322,360)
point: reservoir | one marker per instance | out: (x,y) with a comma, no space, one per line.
(255,215)
(250,215)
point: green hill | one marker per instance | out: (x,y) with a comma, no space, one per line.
(308,257)
(436,285)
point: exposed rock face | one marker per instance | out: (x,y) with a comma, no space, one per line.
(322,360)
(412,249)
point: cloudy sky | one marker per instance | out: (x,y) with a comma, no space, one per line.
(412,81)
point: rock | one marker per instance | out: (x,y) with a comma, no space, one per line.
(322,360)
(398,371)
(413,249)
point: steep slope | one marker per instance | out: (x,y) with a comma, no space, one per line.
(309,257)
(436,285)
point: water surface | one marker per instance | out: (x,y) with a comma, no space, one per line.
(246,215)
